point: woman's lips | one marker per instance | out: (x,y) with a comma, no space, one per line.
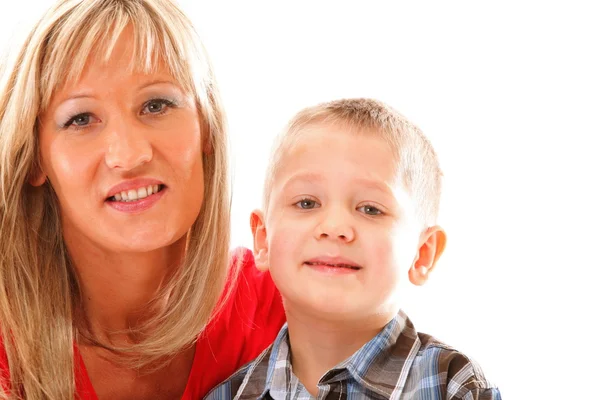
(139,205)
(136,194)
(133,185)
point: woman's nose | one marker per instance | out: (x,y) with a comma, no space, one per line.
(128,147)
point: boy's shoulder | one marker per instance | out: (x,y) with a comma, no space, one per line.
(257,368)
(456,374)
(398,363)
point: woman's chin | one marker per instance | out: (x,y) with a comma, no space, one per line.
(141,240)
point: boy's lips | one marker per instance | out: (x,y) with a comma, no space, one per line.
(333,262)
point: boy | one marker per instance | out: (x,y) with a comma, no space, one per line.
(350,207)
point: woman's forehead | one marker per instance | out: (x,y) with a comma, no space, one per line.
(122,56)
(100,78)
(116,72)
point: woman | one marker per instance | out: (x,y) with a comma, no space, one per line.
(114,213)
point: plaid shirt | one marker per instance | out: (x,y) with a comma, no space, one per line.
(398,363)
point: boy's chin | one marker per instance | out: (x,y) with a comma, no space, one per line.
(337,311)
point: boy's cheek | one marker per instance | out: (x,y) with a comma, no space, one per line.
(392,259)
(282,239)
(288,241)
(405,244)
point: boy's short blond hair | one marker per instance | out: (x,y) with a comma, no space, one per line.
(418,165)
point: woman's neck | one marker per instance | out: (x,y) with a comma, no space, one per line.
(318,344)
(118,289)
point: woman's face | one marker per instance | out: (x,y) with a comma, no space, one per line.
(123,152)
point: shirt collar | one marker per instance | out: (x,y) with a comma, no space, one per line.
(378,365)
(279,363)
(382,361)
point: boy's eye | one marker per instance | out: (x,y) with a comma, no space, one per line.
(370,210)
(307,204)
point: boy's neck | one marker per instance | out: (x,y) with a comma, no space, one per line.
(319,344)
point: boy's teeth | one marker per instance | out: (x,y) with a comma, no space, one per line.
(136,194)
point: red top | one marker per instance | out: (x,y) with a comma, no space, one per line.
(247,324)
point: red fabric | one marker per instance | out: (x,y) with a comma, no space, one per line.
(4,373)
(247,324)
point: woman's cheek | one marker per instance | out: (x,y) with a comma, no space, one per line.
(71,165)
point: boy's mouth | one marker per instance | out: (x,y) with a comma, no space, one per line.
(333,262)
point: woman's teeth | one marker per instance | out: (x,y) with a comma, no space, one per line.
(137,194)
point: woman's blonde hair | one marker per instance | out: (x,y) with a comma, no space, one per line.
(39,291)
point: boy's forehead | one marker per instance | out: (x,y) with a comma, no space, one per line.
(294,162)
(325,139)
(313,135)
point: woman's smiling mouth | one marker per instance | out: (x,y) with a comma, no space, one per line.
(136,194)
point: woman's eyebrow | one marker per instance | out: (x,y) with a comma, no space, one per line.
(60,103)
(157,82)
(86,94)
(78,94)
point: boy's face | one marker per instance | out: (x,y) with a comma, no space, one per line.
(341,232)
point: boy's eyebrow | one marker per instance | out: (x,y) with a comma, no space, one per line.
(302,176)
(305,176)
(374,184)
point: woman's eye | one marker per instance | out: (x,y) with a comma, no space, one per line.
(157,106)
(370,210)
(307,204)
(79,120)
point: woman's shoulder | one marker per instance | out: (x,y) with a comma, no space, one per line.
(247,322)
(251,305)
(256,305)
(253,296)
(4,372)
(244,276)
(242,261)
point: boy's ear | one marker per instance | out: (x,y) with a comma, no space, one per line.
(259,232)
(433,243)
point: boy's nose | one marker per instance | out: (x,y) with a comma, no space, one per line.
(336,228)
(127,147)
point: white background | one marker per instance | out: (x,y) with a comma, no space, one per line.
(508,92)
